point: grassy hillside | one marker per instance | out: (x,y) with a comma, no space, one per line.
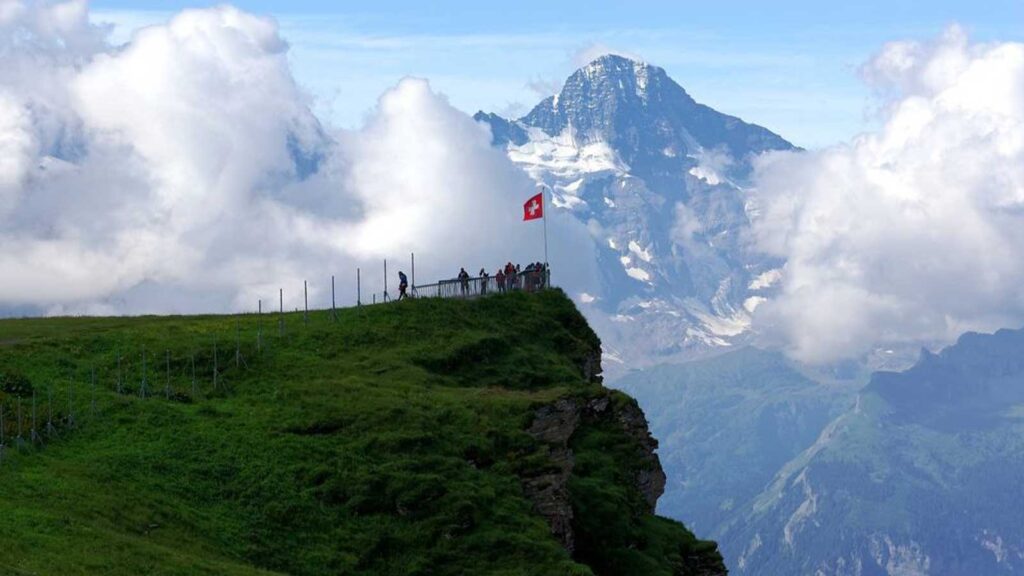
(393,441)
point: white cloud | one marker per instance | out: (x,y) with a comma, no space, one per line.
(914,233)
(184,171)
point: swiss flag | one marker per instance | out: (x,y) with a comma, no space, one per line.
(534,207)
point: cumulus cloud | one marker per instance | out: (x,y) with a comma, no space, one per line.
(184,171)
(911,234)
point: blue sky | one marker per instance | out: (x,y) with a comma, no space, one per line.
(789,65)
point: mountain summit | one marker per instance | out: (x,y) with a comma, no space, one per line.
(659,180)
(645,115)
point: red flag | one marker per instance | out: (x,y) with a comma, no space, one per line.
(534,207)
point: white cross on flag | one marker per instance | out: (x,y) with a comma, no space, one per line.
(534,207)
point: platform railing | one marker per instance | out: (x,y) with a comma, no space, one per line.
(475,287)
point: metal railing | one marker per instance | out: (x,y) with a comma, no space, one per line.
(525,281)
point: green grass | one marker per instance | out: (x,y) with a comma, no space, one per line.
(390,442)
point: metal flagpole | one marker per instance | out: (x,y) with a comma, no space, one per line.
(544,212)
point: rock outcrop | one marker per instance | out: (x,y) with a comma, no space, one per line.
(555,424)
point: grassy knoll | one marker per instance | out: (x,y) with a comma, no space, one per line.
(390,442)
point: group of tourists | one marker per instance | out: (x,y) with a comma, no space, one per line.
(509,277)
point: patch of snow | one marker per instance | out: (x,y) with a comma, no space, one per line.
(563,159)
(573,187)
(706,174)
(704,337)
(766,280)
(638,274)
(567,202)
(641,253)
(727,326)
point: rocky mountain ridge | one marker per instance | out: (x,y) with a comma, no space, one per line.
(659,181)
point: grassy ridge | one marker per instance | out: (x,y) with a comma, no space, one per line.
(390,442)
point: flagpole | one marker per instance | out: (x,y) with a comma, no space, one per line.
(544,207)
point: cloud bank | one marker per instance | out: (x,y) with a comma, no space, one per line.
(184,171)
(912,234)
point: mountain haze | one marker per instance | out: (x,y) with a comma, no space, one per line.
(920,476)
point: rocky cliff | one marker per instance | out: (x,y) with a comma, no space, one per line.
(564,493)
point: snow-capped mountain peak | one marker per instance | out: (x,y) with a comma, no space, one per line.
(623,146)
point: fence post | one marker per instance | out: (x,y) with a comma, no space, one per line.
(386,280)
(280,317)
(334,309)
(259,328)
(359,288)
(305,300)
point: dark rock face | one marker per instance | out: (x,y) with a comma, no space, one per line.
(649,480)
(592,367)
(554,425)
(502,131)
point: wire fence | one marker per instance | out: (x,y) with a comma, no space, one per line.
(33,416)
